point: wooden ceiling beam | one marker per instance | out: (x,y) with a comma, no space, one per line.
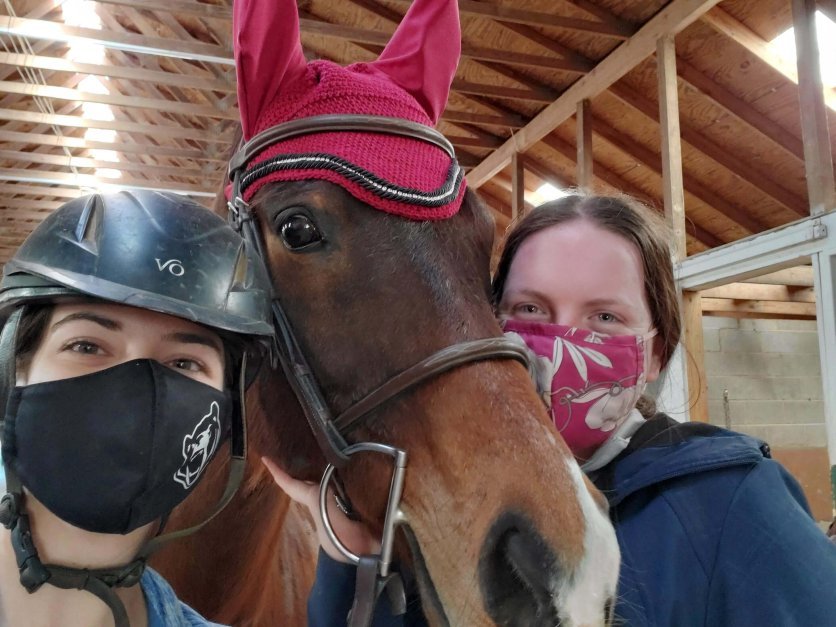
(726,24)
(497,91)
(760,180)
(536,18)
(475,142)
(535,36)
(31,206)
(75,121)
(694,187)
(87,180)
(34,190)
(64,93)
(129,42)
(315,26)
(762,291)
(188,7)
(741,109)
(604,15)
(758,309)
(504,121)
(65,161)
(116,71)
(799,276)
(619,184)
(674,17)
(84,144)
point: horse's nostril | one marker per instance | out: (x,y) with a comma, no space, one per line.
(517,574)
(528,562)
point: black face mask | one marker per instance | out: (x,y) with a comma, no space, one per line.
(114,450)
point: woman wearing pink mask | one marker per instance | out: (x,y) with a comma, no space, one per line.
(712,531)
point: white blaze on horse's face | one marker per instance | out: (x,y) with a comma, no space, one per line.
(581,598)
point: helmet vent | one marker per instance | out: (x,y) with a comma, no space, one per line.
(239,279)
(87,229)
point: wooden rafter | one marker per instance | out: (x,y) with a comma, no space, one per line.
(33,190)
(741,34)
(617,183)
(116,71)
(741,109)
(381,38)
(74,121)
(85,144)
(693,186)
(673,18)
(155,104)
(85,180)
(743,170)
(160,173)
(130,42)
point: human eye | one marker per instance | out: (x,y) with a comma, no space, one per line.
(83,347)
(186,364)
(607,317)
(527,309)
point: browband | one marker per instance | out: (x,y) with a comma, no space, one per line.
(331,123)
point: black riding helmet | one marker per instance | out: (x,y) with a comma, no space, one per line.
(151,250)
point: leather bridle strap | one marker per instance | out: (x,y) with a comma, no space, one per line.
(444,360)
(333,123)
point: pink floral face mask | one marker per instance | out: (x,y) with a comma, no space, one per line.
(590,381)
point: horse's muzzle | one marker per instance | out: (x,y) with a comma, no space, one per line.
(517,574)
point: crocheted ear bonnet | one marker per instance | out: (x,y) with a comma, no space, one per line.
(394,161)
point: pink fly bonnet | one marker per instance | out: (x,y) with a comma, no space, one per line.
(366,127)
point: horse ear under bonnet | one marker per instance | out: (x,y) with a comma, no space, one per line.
(372,154)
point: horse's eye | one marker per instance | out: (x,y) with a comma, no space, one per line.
(298,232)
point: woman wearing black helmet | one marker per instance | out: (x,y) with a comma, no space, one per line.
(129,322)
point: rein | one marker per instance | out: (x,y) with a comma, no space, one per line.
(330,432)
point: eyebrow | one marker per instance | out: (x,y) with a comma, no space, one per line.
(195,338)
(107,323)
(604,302)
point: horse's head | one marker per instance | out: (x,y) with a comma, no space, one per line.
(501,526)
(378,265)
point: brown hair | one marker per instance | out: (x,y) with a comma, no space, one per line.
(622,216)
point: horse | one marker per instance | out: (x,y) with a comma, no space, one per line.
(502,528)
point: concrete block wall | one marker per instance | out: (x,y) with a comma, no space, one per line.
(772,373)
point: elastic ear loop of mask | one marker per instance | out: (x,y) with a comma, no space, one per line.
(99,582)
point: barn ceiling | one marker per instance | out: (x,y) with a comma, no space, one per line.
(142,93)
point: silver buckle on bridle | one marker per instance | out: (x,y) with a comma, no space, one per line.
(377,576)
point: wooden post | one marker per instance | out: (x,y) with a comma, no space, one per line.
(672,186)
(517,186)
(817,158)
(674,196)
(695,356)
(584,143)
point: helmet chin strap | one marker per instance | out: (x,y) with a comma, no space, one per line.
(99,582)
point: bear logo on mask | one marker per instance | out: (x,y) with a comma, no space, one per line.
(199,447)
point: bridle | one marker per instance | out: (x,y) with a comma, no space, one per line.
(331,431)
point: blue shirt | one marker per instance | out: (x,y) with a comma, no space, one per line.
(164,609)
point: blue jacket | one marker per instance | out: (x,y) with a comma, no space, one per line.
(712,533)
(164,609)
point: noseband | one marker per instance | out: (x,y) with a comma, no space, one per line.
(373,571)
